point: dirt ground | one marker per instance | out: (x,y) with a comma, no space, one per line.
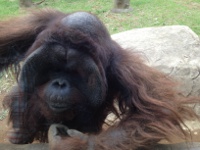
(3,122)
(3,129)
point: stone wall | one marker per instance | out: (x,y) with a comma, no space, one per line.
(174,50)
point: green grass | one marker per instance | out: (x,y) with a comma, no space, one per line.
(8,8)
(146,13)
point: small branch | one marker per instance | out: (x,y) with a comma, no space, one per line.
(38,3)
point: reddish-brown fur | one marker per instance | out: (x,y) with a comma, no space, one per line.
(147,102)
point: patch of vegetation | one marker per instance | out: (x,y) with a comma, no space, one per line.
(3,114)
(146,13)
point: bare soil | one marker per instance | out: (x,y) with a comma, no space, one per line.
(3,122)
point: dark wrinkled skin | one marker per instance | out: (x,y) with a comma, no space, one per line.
(60,81)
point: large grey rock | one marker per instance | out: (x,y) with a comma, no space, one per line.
(174,50)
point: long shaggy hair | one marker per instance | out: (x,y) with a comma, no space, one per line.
(147,103)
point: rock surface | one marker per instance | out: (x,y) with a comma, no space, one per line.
(175,50)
